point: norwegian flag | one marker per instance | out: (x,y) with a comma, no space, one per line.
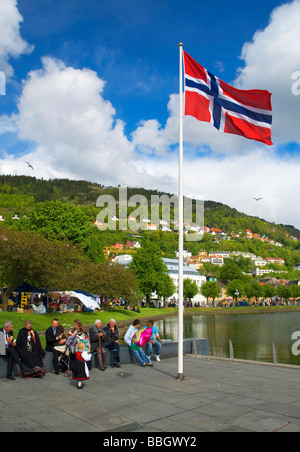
(230,110)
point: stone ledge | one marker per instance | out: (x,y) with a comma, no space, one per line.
(169,350)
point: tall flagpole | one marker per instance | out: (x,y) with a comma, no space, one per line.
(180,244)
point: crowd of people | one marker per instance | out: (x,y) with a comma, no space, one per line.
(72,352)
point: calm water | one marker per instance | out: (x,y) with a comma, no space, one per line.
(252,335)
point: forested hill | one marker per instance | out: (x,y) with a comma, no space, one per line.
(18,194)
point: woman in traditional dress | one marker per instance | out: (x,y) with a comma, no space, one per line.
(30,351)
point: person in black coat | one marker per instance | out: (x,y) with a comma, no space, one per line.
(111,337)
(31,352)
(10,349)
(54,338)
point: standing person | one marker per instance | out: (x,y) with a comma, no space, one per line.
(10,349)
(136,351)
(155,342)
(78,333)
(111,341)
(97,334)
(80,370)
(53,338)
(31,353)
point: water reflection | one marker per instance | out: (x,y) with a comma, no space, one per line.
(252,335)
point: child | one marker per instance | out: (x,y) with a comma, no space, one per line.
(80,369)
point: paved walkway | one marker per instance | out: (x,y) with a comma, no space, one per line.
(218,395)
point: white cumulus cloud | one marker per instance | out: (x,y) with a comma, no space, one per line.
(271,59)
(11,42)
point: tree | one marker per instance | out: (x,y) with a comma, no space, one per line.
(149,268)
(253,290)
(269,291)
(211,289)
(235,289)
(295,291)
(230,271)
(284,292)
(117,281)
(60,221)
(26,256)
(190,289)
(165,287)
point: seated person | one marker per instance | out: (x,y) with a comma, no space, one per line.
(31,352)
(135,350)
(10,349)
(155,342)
(54,338)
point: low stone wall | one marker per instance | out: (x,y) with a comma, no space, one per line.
(169,350)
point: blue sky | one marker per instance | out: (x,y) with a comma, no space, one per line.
(92,92)
(133,44)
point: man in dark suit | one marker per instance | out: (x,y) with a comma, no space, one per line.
(10,349)
(53,338)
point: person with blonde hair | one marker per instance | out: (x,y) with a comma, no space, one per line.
(80,370)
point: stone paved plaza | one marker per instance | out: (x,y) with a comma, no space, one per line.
(217,395)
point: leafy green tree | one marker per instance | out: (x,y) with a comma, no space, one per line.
(295,291)
(284,292)
(117,281)
(235,289)
(165,287)
(253,290)
(60,221)
(190,289)
(26,256)
(269,291)
(149,268)
(230,271)
(93,247)
(211,289)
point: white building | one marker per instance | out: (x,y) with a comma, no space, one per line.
(216,260)
(186,254)
(188,273)
(259,262)
(263,271)
(172,266)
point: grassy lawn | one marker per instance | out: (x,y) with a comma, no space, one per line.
(42,322)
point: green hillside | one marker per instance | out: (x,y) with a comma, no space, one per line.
(49,237)
(62,208)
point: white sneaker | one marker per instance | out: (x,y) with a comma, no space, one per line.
(157,357)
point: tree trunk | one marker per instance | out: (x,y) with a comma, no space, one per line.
(5,298)
(147,301)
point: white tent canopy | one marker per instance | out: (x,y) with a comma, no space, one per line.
(87,301)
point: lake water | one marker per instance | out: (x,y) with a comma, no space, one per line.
(252,335)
